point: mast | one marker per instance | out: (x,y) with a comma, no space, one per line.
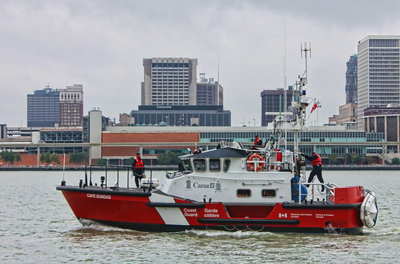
(303,82)
(301,100)
(285,80)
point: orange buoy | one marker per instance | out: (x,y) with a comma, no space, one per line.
(257,160)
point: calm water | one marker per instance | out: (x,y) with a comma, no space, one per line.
(37,226)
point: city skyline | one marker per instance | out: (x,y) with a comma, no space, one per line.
(102,45)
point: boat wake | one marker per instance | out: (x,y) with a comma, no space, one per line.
(96,226)
(384,232)
(237,234)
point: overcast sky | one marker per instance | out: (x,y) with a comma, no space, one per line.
(101,44)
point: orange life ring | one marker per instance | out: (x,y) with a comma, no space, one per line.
(251,162)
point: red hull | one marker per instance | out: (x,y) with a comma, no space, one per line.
(155,211)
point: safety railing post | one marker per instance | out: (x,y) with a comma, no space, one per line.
(117,176)
(90,175)
(86,179)
(106,177)
(127,177)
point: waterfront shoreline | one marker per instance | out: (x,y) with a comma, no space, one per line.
(174,168)
(67,168)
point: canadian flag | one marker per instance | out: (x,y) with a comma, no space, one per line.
(314,107)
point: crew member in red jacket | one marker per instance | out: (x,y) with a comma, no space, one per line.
(138,169)
(317,168)
(258,141)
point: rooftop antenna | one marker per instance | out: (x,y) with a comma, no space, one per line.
(303,79)
(307,52)
(284,79)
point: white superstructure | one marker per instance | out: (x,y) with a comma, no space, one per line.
(234,175)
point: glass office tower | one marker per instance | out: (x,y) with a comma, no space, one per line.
(44,108)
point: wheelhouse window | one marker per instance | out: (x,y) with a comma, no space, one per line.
(243,193)
(215,165)
(186,165)
(199,164)
(227,162)
(268,193)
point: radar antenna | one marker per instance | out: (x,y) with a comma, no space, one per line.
(307,53)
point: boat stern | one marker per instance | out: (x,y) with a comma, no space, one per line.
(368,210)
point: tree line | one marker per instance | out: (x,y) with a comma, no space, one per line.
(8,156)
(47,157)
(74,157)
(171,157)
(355,159)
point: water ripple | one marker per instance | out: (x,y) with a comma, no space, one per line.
(37,226)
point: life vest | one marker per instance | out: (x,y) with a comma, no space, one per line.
(258,142)
(316,161)
(139,163)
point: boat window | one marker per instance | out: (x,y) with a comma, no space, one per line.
(243,193)
(215,165)
(268,193)
(227,162)
(186,165)
(199,164)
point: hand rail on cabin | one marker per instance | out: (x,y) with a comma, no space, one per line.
(118,168)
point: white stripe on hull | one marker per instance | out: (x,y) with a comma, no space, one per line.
(171,216)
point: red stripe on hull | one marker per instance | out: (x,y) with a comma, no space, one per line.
(318,218)
(309,218)
(249,211)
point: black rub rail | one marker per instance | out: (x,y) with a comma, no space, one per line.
(320,206)
(103,191)
(248,221)
(177,205)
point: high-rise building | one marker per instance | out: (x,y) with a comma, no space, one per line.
(272,102)
(172,96)
(71,106)
(169,81)
(44,108)
(378,73)
(209,92)
(49,107)
(351,80)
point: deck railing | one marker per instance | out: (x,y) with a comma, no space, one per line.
(118,172)
(327,195)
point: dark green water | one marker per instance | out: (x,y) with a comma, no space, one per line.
(37,226)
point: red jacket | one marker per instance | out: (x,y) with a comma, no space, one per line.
(258,142)
(317,160)
(139,163)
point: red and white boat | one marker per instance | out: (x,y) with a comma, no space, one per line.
(232,188)
(223,192)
